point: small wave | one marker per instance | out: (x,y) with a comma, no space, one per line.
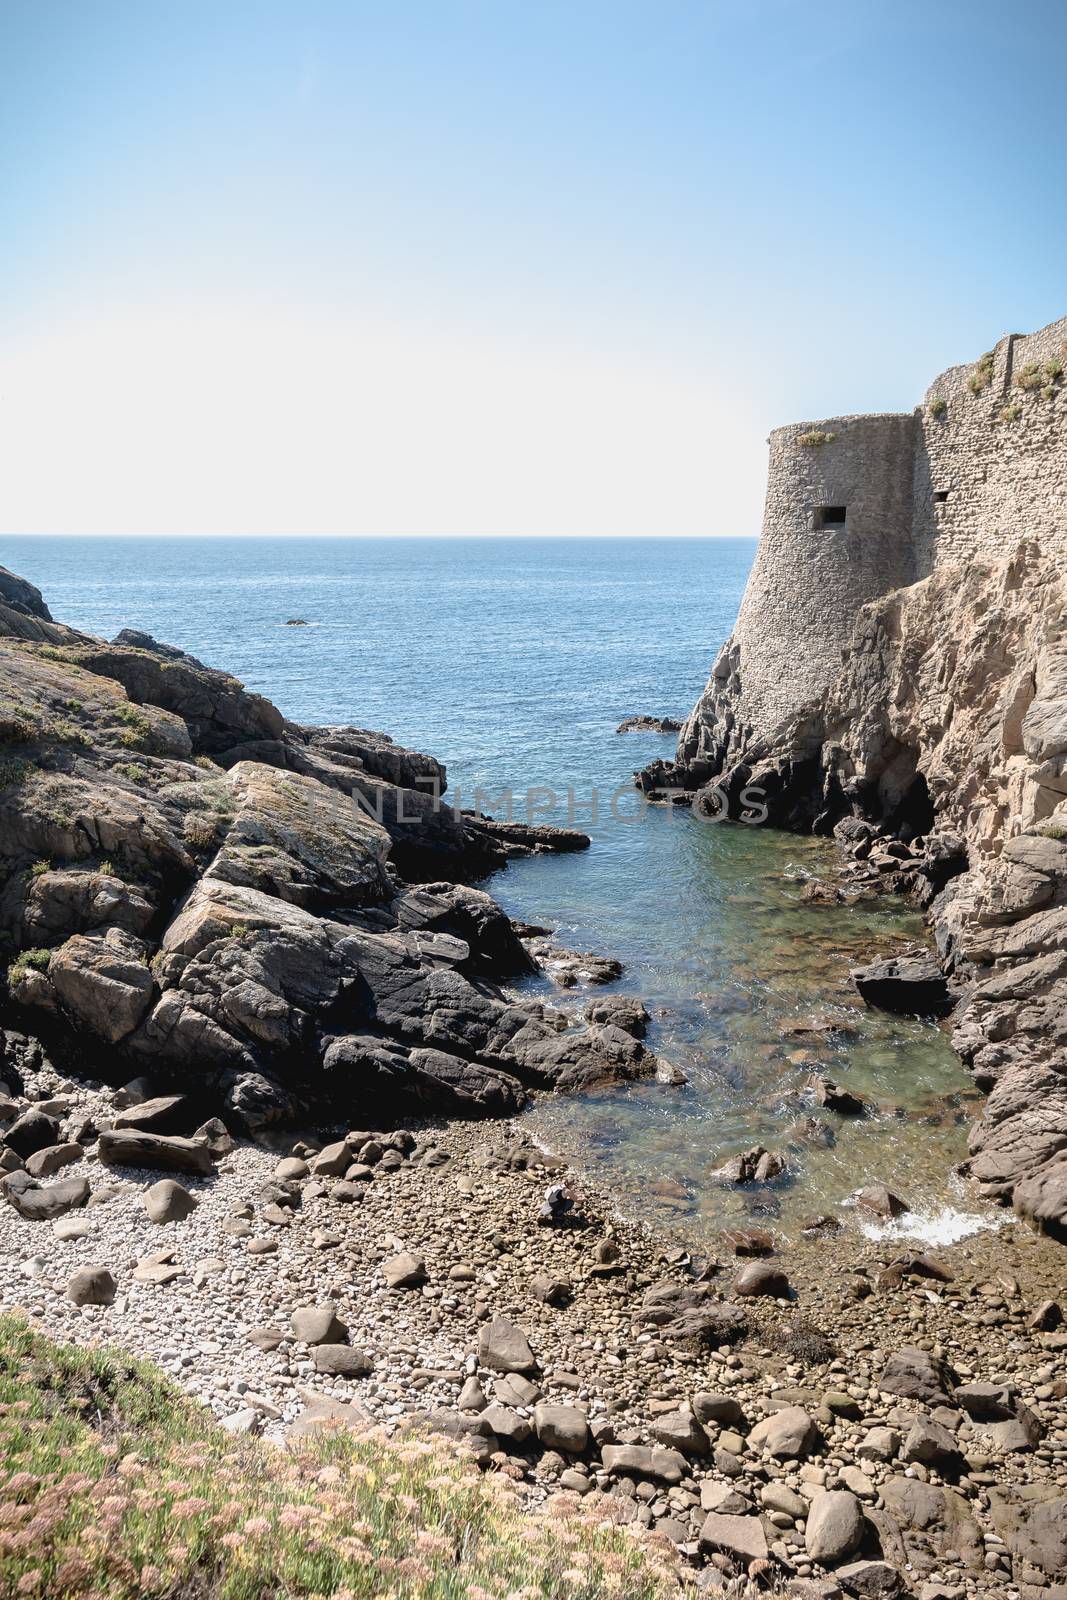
(939,1226)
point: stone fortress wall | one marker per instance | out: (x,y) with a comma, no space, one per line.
(964,477)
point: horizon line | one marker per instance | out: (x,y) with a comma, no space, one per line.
(382,536)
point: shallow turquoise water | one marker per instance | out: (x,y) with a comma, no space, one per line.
(513,661)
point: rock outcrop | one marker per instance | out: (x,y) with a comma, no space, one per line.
(257,914)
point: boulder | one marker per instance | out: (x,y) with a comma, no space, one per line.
(760,1278)
(292,1169)
(643,1461)
(917,1375)
(318,1325)
(720,1409)
(844,1101)
(741,1538)
(39,1202)
(165,1113)
(506,1424)
(876,1197)
(680,1430)
(835,1526)
(789,1434)
(405,1271)
(341,1361)
(167,1201)
(562,1428)
(168,1153)
(688,1314)
(912,985)
(870,1580)
(504,1348)
(332,1161)
(103,982)
(929,1443)
(91,1286)
(53,1158)
(618,1011)
(30,1132)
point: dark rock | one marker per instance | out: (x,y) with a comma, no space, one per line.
(917,1375)
(760,1278)
(647,724)
(171,1113)
(341,1361)
(912,985)
(30,1132)
(870,1580)
(844,1101)
(167,1153)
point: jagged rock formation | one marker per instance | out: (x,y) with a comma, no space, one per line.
(265,915)
(899,668)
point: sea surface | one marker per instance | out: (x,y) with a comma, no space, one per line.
(513,660)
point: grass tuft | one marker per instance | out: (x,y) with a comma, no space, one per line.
(814,438)
(36,960)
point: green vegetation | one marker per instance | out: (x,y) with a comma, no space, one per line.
(114,1484)
(201,828)
(815,437)
(1053,830)
(238,930)
(18,724)
(73,705)
(106,869)
(133,771)
(39,868)
(206,763)
(1029,377)
(937,407)
(982,376)
(13,771)
(1011,413)
(66,733)
(25,960)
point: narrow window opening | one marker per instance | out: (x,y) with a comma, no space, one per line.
(829,517)
(940,496)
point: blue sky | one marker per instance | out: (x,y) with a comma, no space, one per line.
(500,267)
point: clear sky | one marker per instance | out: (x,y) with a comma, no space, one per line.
(497,266)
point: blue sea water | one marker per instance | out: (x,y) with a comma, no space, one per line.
(513,660)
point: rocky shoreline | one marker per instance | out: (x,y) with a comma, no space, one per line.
(859,1418)
(235,942)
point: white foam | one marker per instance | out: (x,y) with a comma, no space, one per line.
(945,1225)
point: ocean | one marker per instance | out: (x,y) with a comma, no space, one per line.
(513,661)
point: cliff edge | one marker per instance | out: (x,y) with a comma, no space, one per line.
(899,667)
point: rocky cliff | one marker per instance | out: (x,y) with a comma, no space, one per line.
(267,916)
